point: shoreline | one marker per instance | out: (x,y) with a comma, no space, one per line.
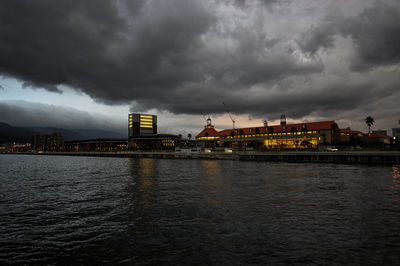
(367,157)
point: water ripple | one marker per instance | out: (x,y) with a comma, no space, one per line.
(90,211)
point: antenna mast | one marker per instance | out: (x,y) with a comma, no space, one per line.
(233,120)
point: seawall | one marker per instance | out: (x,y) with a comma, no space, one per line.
(371,158)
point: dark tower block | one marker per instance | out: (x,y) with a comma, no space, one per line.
(142,124)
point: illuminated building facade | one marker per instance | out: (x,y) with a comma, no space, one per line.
(143,134)
(142,124)
(47,142)
(98,145)
(299,135)
(157,142)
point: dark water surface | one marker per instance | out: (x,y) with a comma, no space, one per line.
(82,210)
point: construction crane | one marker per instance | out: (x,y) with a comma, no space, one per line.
(205,119)
(233,120)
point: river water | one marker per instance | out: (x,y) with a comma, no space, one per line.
(83,210)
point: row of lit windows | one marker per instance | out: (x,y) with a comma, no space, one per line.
(292,143)
(146,125)
(168,142)
(207,138)
(272,134)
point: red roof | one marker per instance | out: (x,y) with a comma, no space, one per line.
(210,130)
(349,131)
(376,135)
(262,130)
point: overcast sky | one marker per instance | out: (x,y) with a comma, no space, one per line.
(89,63)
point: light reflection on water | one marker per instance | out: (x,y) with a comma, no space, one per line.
(211,181)
(77,210)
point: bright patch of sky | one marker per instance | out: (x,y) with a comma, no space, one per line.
(14,90)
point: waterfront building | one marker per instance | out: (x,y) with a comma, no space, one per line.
(396,132)
(350,137)
(142,124)
(15,147)
(142,134)
(99,145)
(298,135)
(154,142)
(47,142)
(376,139)
(380,131)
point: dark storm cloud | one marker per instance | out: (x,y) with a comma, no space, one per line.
(268,3)
(187,56)
(23,113)
(375,32)
(113,50)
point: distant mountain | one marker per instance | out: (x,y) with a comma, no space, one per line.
(80,134)
(10,133)
(100,134)
(67,134)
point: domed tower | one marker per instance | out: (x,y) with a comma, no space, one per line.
(208,121)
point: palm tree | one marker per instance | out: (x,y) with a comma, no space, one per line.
(369,121)
(189,136)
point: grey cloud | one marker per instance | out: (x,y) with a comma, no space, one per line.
(153,51)
(375,32)
(318,37)
(23,113)
(267,3)
(189,56)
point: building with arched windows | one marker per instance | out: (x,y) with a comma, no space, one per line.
(299,135)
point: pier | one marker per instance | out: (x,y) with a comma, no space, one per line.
(370,158)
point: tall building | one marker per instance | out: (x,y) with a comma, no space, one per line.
(143,134)
(396,132)
(47,142)
(142,124)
